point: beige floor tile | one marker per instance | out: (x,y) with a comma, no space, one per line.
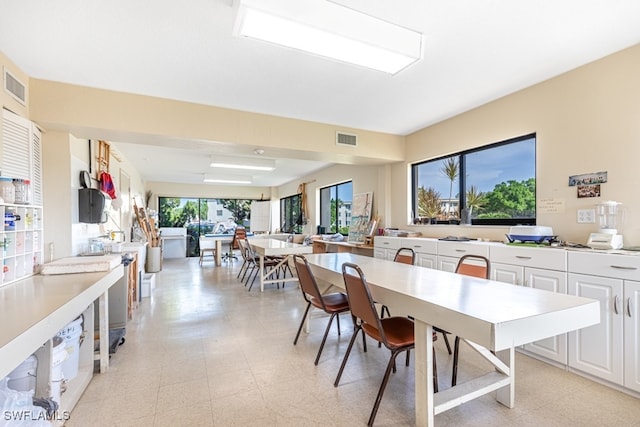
(203,351)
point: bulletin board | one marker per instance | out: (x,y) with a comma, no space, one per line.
(260,216)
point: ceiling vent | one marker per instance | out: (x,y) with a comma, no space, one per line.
(346,139)
(15,88)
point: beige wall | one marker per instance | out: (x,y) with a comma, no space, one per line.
(365,179)
(109,114)
(587,120)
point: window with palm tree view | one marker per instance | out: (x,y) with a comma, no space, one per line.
(335,208)
(490,185)
(204,216)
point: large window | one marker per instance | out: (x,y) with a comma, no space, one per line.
(291,214)
(335,208)
(204,216)
(490,185)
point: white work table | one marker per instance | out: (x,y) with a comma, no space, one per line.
(36,308)
(273,247)
(488,315)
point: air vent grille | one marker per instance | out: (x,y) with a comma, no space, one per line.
(346,139)
(14,87)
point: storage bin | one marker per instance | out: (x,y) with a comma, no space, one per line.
(7,190)
(23,378)
(148,284)
(71,336)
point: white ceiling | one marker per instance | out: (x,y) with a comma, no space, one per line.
(474,52)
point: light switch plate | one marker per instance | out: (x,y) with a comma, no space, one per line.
(586,216)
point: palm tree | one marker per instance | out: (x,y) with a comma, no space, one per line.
(475,199)
(450,170)
(428,202)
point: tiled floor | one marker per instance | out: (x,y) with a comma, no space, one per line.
(202,351)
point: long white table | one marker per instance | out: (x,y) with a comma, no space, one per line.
(488,315)
(273,247)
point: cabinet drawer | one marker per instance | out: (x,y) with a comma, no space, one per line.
(458,249)
(420,245)
(547,258)
(386,242)
(605,265)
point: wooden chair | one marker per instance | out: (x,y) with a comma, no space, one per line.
(207,246)
(469,265)
(332,304)
(396,333)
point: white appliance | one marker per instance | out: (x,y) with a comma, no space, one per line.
(610,215)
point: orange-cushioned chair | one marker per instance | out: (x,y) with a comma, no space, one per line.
(396,333)
(332,304)
(469,265)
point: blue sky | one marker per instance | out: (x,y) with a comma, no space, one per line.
(485,168)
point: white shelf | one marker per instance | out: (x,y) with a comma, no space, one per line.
(21,244)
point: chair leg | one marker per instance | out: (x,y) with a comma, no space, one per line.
(346,355)
(338,322)
(295,341)
(456,350)
(385,379)
(446,341)
(324,338)
(435,373)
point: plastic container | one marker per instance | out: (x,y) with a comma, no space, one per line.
(9,221)
(7,190)
(23,378)
(22,191)
(57,375)
(71,336)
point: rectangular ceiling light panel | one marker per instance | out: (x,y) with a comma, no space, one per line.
(247,163)
(216,179)
(333,31)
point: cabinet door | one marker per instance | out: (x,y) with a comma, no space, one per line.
(447,263)
(507,273)
(380,253)
(553,348)
(597,350)
(632,335)
(426,260)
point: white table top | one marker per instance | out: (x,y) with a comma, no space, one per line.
(36,308)
(493,314)
(274,247)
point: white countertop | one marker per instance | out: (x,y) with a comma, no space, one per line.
(36,308)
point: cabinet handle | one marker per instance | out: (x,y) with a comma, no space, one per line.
(385,243)
(629,306)
(460,250)
(622,267)
(615,305)
(523,257)
(417,246)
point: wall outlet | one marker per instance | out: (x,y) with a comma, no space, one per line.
(586,216)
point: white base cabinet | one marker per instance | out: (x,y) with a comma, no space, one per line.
(609,350)
(540,269)
(632,335)
(598,349)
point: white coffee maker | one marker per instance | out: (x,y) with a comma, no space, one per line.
(610,216)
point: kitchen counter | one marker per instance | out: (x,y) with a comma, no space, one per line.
(36,308)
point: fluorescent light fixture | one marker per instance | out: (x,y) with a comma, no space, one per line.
(242,163)
(216,179)
(330,30)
